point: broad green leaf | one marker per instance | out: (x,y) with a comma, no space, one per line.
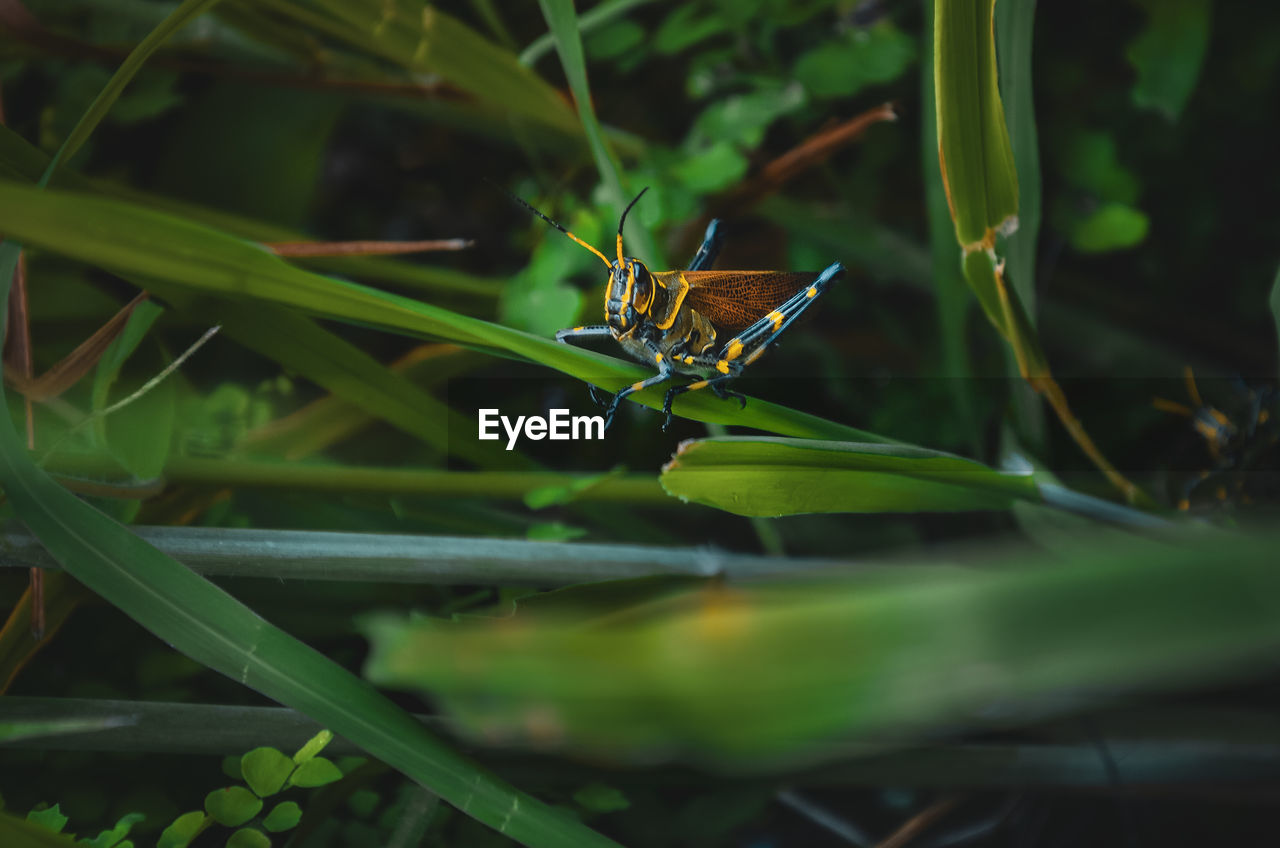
(618,40)
(316,771)
(248,837)
(973,141)
(232,805)
(864,56)
(541,309)
(131,240)
(1169,54)
(283,816)
(265,770)
(1089,160)
(712,169)
(1114,226)
(741,119)
(937,643)
(771,477)
(184,829)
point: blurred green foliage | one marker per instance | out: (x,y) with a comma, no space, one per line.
(383,120)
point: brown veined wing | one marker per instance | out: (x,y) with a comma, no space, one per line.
(734,300)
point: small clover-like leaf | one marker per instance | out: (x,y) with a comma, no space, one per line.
(115,837)
(284,816)
(185,828)
(314,746)
(315,772)
(232,805)
(50,817)
(248,837)
(265,770)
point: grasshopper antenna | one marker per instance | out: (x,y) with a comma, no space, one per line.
(522,203)
(623,220)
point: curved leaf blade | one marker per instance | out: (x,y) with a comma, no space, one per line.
(132,240)
(773,477)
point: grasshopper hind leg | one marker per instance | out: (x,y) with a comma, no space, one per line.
(748,345)
(710,249)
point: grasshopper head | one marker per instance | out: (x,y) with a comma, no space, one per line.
(628,295)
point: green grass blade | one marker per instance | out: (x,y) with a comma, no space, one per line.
(131,240)
(929,647)
(773,477)
(563,22)
(23,162)
(180,17)
(953,297)
(597,16)
(251,472)
(301,345)
(1158,746)
(445,560)
(421,38)
(46,727)
(1015,26)
(973,141)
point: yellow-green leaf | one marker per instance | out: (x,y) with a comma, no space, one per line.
(973,141)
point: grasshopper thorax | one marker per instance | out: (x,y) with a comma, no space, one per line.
(628,296)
